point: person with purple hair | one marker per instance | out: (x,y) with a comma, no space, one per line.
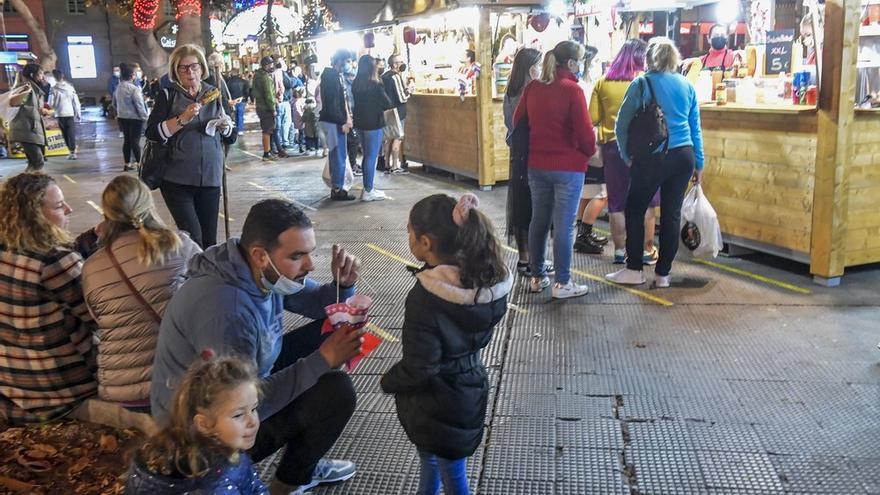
(605,102)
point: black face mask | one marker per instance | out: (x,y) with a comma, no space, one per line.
(718,42)
(402,68)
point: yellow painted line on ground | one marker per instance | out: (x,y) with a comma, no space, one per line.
(391,255)
(69,179)
(602,280)
(517,308)
(382,333)
(257,186)
(96,207)
(755,276)
(230,218)
(251,154)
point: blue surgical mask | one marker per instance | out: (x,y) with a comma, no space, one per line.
(283,286)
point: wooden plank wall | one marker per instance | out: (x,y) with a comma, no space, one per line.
(863,220)
(441,131)
(500,151)
(759,175)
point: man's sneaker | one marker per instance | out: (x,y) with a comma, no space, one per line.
(341,195)
(626,277)
(282,153)
(586,245)
(400,171)
(598,239)
(650,257)
(241,133)
(127,168)
(661,282)
(523,268)
(568,290)
(619,256)
(357,171)
(328,471)
(538,284)
(71,156)
(374,195)
(268,158)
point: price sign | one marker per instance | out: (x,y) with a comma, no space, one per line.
(778,55)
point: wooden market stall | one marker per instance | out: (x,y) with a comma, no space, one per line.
(802,182)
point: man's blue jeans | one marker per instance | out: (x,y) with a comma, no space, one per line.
(452,472)
(338,153)
(239,116)
(282,119)
(555,197)
(372,144)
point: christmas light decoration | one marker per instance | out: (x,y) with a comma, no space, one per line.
(144,14)
(317,18)
(188,8)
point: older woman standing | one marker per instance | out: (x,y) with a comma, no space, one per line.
(45,327)
(670,171)
(127,284)
(561,142)
(191,186)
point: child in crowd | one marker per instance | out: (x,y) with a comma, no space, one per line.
(298,109)
(310,124)
(213,420)
(440,385)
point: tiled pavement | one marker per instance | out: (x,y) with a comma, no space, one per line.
(722,384)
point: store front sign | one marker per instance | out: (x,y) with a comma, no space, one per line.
(167,35)
(779,45)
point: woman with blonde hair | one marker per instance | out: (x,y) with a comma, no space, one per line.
(561,142)
(669,167)
(185,118)
(45,327)
(127,284)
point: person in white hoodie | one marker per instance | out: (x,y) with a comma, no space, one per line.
(67,110)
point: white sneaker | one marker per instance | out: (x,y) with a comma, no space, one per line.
(662,282)
(374,195)
(538,284)
(568,290)
(626,277)
(71,156)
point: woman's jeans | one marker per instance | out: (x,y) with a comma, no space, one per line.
(132,130)
(194,209)
(433,469)
(371,140)
(671,173)
(555,197)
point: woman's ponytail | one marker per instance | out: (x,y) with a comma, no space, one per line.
(548,71)
(559,56)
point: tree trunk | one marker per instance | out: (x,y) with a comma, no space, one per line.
(270,27)
(189,30)
(49,59)
(154,59)
(206,28)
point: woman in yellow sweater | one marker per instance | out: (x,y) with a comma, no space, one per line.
(605,102)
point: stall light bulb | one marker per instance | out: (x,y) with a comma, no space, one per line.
(557,8)
(727,11)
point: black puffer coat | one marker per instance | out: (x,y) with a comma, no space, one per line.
(440,385)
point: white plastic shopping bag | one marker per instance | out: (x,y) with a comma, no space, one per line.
(700,230)
(347,182)
(11,101)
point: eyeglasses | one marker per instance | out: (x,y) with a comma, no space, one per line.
(189,68)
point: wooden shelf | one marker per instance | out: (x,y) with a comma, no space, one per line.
(872,30)
(771,109)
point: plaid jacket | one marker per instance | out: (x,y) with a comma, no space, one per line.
(47,357)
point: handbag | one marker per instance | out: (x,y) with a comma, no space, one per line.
(154,158)
(393,127)
(647,130)
(137,295)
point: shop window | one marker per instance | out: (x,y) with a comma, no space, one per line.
(81,53)
(74,6)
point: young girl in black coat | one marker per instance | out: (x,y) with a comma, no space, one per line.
(440,385)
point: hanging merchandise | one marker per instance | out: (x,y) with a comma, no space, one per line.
(539,22)
(369,40)
(409,35)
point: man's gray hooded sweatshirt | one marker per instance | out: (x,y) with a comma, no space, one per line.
(221,308)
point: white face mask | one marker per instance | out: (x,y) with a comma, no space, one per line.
(116,73)
(283,286)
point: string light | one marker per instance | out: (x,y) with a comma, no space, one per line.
(188,8)
(144,14)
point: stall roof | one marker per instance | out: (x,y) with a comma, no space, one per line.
(660,5)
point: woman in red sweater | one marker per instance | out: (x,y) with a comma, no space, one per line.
(561,142)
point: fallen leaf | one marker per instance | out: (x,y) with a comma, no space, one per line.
(109,444)
(16,485)
(79,465)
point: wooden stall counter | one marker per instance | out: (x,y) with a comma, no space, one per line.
(443,132)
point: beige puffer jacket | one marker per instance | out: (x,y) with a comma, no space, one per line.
(127,332)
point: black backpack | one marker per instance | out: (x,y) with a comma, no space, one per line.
(647,130)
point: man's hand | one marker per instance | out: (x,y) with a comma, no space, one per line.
(341,345)
(345,267)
